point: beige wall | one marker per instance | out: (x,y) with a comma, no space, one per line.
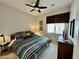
(43,18)
(13,20)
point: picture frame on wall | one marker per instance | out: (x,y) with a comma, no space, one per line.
(41,25)
(41,28)
(40,22)
(72,28)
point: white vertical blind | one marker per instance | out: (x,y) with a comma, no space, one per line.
(57,28)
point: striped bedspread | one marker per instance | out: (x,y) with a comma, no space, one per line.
(30,49)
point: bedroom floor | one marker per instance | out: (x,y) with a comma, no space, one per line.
(49,53)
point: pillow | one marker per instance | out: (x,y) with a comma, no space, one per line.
(29,34)
(23,35)
(1,40)
(16,35)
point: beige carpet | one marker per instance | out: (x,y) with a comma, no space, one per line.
(49,53)
(9,56)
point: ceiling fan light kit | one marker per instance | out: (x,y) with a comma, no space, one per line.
(36,6)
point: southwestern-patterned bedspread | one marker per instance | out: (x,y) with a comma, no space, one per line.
(31,48)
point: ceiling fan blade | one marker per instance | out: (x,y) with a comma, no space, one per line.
(42,7)
(39,11)
(37,3)
(32,10)
(29,5)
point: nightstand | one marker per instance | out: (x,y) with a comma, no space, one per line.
(65,48)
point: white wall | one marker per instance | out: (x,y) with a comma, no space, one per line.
(43,18)
(75,15)
(13,20)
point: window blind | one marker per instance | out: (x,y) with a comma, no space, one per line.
(60,18)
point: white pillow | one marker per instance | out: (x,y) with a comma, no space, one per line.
(12,42)
(7,38)
(1,40)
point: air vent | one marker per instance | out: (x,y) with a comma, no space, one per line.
(52,4)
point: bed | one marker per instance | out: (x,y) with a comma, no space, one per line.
(28,45)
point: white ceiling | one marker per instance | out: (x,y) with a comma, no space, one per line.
(20,4)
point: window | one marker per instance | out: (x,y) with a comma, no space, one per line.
(56,28)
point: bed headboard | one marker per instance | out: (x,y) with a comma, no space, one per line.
(22,34)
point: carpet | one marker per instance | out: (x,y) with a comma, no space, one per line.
(49,53)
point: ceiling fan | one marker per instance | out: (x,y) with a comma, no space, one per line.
(36,6)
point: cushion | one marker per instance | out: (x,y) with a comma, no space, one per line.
(22,34)
(1,40)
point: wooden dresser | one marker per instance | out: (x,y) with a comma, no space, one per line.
(65,49)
